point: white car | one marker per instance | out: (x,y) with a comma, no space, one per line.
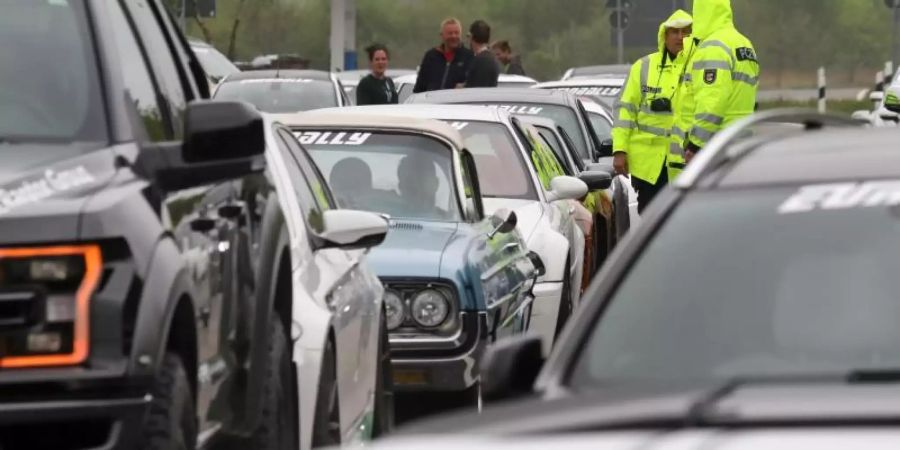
(216,65)
(340,352)
(882,116)
(609,70)
(604,90)
(283,91)
(504,156)
(406,83)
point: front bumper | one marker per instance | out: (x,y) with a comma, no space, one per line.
(107,422)
(545,312)
(445,365)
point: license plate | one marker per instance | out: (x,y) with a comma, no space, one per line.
(410,377)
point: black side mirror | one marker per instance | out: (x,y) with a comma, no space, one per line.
(504,221)
(539,268)
(510,367)
(606,148)
(222,140)
(596,180)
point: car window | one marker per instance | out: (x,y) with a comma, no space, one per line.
(495,152)
(550,139)
(601,126)
(313,177)
(215,64)
(161,61)
(313,199)
(404,91)
(803,281)
(38,101)
(402,175)
(137,78)
(280,95)
(542,158)
(562,115)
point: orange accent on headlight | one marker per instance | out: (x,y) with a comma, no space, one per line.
(81,336)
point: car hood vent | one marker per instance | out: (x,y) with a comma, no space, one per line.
(406,226)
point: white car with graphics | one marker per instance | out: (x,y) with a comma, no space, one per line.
(406,83)
(509,179)
(603,90)
(341,350)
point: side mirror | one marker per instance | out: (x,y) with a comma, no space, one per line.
(566,188)
(862,116)
(892,99)
(876,96)
(351,230)
(606,148)
(510,367)
(596,180)
(539,268)
(222,140)
(504,221)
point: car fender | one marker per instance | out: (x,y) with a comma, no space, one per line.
(166,282)
(553,248)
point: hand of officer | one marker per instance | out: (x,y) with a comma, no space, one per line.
(620,163)
(688,156)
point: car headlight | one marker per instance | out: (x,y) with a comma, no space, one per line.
(395,311)
(45,297)
(430,308)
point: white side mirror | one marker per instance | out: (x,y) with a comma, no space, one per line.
(861,115)
(566,188)
(349,229)
(876,96)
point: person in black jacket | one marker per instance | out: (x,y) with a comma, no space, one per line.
(377,88)
(485,70)
(512,64)
(445,66)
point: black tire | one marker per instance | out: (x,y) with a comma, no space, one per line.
(276,430)
(384,385)
(565,303)
(327,425)
(171,423)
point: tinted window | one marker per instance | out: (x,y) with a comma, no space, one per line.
(136,77)
(404,91)
(550,139)
(495,153)
(562,115)
(215,64)
(161,61)
(401,175)
(49,84)
(282,95)
(313,177)
(601,126)
(313,197)
(765,282)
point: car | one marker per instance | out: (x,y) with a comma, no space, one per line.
(600,116)
(563,107)
(284,91)
(406,83)
(603,90)
(340,352)
(787,341)
(610,70)
(504,151)
(350,79)
(136,227)
(883,114)
(214,63)
(457,278)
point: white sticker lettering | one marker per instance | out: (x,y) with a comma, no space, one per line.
(332,138)
(839,196)
(276,80)
(52,182)
(459,125)
(323,140)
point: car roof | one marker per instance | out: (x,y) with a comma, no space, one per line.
(356,75)
(492,95)
(510,78)
(582,82)
(476,113)
(352,118)
(317,75)
(821,156)
(406,79)
(600,70)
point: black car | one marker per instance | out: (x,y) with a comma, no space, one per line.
(284,91)
(143,273)
(760,292)
(563,107)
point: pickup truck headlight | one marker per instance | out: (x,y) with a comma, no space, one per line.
(45,295)
(394,310)
(421,308)
(430,308)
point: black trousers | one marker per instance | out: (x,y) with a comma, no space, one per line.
(647,191)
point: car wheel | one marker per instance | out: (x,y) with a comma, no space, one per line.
(384,385)
(277,424)
(171,423)
(565,303)
(327,425)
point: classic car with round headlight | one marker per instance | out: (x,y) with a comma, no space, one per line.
(455,278)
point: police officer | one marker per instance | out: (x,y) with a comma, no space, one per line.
(724,74)
(644,114)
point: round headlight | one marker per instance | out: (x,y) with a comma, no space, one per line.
(394,310)
(430,308)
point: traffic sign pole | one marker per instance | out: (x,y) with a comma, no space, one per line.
(620,33)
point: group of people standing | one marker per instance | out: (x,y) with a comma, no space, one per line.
(450,65)
(703,77)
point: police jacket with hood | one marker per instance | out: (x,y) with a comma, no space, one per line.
(642,125)
(724,72)
(436,72)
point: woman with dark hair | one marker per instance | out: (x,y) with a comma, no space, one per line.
(376,88)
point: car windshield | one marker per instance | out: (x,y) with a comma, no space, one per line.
(501,168)
(280,95)
(515,84)
(49,86)
(562,115)
(215,64)
(765,282)
(401,175)
(601,126)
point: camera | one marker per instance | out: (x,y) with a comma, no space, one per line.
(661,105)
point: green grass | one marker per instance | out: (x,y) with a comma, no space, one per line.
(833,106)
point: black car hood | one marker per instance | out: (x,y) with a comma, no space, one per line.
(43,189)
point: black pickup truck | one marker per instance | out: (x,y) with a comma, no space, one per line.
(144,278)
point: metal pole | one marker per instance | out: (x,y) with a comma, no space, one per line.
(822,93)
(888,73)
(338,22)
(620,33)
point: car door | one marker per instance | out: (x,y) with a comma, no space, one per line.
(344,287)
(206,237)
